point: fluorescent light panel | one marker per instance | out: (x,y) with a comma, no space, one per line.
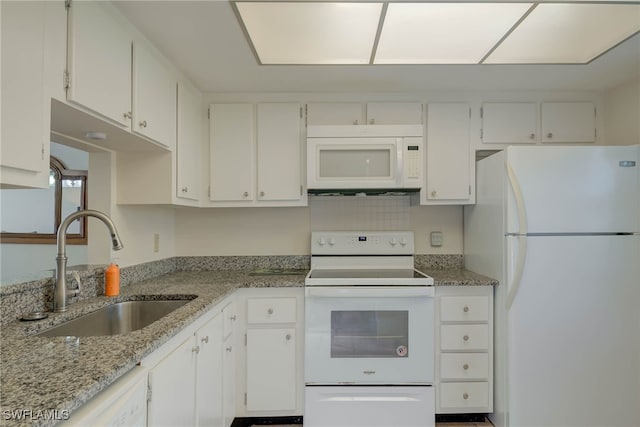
(311,33)
(444,33)
(318,32)
(567,33)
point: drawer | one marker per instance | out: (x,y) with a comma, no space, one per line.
(464,366)
(464,337)
(271,310)
(464,308)
(464,395)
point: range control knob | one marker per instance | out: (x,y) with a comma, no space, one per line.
(322,241)
(404,241)
(393,241)
(332,241)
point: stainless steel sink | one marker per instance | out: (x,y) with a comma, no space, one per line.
(116,319)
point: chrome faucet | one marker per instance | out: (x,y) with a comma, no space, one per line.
(60,285)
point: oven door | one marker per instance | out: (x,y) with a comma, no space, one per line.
(369,335)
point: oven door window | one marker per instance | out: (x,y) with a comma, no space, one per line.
(358,334)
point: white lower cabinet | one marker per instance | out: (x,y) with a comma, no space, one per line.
(464,349)
(191,377)
(229,365)
(272,383)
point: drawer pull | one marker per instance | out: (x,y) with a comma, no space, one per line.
(465,396)
(465,366)
(465,338)
(228,349)
(205,339)
(288,337)
(232,318)
(270,311)
(466,309)
(196,349)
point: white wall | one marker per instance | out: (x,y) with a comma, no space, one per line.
(622,114)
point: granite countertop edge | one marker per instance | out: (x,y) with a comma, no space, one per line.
(61,373)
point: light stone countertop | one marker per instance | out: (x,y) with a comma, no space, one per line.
(42,374)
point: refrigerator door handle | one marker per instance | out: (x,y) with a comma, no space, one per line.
(512,289)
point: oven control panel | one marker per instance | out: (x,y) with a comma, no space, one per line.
(362,243)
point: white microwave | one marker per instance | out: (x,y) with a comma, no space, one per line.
(365,157)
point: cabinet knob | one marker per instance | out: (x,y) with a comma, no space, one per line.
(185,189)
(245,194)
(270,311)
(532,136)
(288,337)
(205,339)
(465,396)
(228,349)
(549,135)
(466,309)
(262,194)
(372,121)
(143,124)
(433,193)
(465,366)
(355,122)
(196,349)
(232,318)
(127,115)
(465,338)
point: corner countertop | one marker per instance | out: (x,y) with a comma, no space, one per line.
(41,374)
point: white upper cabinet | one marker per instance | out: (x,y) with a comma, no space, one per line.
(335,113)
(568,122)
(99,62)
(256,155)
(279,151)
(372,113)
(154,98)
(394,113)
(449,169)
(232,175)
(33,51)
(509,122)
(189,144)
(126,84)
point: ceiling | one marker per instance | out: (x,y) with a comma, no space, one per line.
(207,43)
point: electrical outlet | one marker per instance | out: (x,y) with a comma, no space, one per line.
(156,242)
(436,239)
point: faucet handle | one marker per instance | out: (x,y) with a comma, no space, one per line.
(76,292)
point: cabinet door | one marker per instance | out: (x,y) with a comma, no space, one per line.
(509,122)
(189,143)
(172,383)
(568,122)
(228,382)
(279,151)
(448,174)
(394,113)
(335,113)
(271,369)
(209,373)
(99,62)
(25,127)
(154,98)
(231,152)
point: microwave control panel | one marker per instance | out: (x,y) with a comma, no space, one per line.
(412,158)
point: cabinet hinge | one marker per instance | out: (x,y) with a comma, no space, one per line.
(149,391)
(245,340)
(481,133)
(306,115)
(66,80)
(301,191)
(469,112)
(67,4)
(481,112)
(469,190)
(42,151)
(245,399)
(301,116)
(209,113)
(209,192)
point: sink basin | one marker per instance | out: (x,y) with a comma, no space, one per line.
(116,319)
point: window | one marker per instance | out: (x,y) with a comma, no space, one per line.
(33,216)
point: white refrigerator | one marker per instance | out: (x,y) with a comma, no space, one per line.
(559,227)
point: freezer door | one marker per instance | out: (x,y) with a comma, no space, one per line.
(573,189)
(572,344)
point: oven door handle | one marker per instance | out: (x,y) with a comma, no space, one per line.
(370,292)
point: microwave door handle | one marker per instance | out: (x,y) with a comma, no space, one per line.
(399,162)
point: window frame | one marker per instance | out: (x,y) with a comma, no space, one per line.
(61,173)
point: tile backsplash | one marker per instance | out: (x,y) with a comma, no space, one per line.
(346,213)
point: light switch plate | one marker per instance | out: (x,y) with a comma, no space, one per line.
(436,238)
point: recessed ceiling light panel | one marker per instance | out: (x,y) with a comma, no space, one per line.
(573,33)
(311,32)
(444,33)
